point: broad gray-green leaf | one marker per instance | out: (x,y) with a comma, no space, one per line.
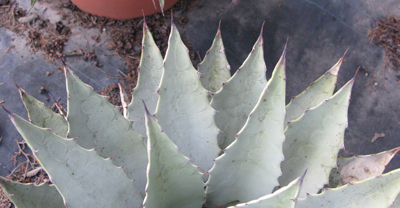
(40,115)
(150,71)
(314,140)
(250,166)
(319,91)
(376,192)
(80,175)
(239,95)
(360,167)
(285,197)
(172,180)
(183,109)
(215,69)
(98,124)
(24,195)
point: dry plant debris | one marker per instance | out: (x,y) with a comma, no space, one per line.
(4,201)
(41,34)
(20,173)
(126,39)
(9,15)
(377,136)
(51,40)
(126,35)
(387,34)
(28,171)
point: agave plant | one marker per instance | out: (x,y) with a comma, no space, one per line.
(172,147)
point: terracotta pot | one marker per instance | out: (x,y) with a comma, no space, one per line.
(122,9)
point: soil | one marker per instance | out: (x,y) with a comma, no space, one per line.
(126,36)
(127,43)
(387,35)
(50,39)
(126,40)
(4,201)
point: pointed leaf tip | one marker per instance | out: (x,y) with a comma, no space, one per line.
(67,70)
(154,3)
(10,115)
(17,86)
(395,150)
(219,30)
(63,62)
(165,160)
(302,177)
(344,54)
(284,49)
(356,73)
(262,28)
(335,69)
(162,2)
(260,40)
(144,18)
(282,60)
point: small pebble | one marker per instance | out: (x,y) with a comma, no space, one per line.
(43,90)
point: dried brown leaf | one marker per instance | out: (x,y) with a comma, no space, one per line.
(366,166)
